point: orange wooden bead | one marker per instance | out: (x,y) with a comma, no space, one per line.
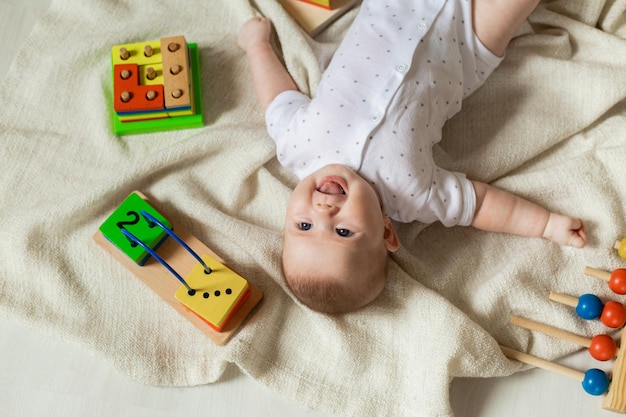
(602,347)
(617,282)
(613,314)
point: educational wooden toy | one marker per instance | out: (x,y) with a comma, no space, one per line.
(156,86)
(601,347)
(206,292)
(322,3)
(313,18)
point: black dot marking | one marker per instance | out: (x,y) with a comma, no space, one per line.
(229,291)
(217,293)
(205,295)
(191,292)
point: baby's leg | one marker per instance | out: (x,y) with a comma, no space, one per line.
(497,21)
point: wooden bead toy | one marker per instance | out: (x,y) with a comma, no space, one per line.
(601,347)
(206,292)
(156,86)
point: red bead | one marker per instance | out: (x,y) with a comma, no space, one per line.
(602,347)
(613,314)
(617,283)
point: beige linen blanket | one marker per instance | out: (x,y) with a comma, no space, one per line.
(550,125)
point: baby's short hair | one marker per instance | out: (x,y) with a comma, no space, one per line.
(336,295)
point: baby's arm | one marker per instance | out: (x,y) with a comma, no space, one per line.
(269,75)
(500,211)
(497,21)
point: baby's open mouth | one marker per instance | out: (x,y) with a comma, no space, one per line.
(332,186)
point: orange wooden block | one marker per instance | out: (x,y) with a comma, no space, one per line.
(130,95)
(161,281)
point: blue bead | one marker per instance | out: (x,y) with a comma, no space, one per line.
(589,307)
(595,382)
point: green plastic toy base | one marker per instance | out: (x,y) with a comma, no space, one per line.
(170,123)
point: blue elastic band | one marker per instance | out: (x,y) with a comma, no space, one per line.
(132,237)
(174,236)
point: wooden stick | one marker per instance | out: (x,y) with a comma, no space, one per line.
(542,363)
(564,299)
(598,273)
(551,331)
(615,399)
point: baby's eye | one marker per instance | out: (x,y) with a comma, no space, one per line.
(304,226)
(343,232)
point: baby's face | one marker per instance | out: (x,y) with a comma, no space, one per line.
(334,218)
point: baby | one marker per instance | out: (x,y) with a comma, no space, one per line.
(362,146)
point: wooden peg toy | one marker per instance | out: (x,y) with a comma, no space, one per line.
(590,307)
(156,86)
(601,347)
(213,297)
(616,279)
(124,54)
(620,245)
(594,381)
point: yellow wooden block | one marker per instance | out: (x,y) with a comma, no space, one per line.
(217,295)
(143,116)
(156,115)
(137,53)
(158,71)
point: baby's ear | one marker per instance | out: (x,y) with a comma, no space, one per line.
(392,243)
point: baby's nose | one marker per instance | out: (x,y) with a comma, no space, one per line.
(327,207)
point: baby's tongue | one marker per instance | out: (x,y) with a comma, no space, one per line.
(330,187)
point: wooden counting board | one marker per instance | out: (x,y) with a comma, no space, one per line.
(221,299)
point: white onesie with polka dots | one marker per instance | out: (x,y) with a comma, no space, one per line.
(399,74)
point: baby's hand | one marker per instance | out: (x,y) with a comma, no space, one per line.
(256,30)
(565,230)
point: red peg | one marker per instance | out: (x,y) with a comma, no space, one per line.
(613,314)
